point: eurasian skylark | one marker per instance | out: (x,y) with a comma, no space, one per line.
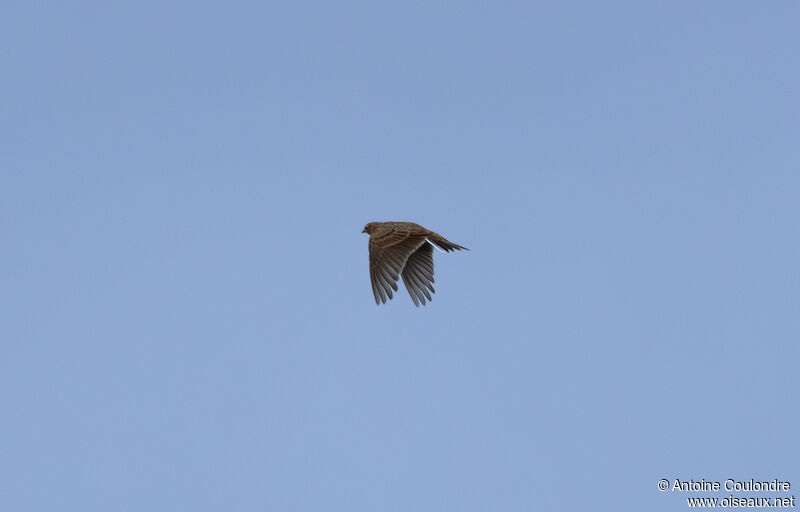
(403,249)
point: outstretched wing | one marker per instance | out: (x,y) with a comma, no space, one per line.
(388,253)
(418,274)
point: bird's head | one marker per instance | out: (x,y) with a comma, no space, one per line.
(369,228)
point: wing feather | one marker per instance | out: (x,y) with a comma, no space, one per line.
(388,253)
(418,274)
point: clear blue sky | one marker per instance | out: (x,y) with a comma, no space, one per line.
(186,317)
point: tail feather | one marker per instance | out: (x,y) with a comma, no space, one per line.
(443,243)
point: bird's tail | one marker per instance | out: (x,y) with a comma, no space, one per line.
(443,243)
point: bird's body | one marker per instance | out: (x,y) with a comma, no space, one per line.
(403,249)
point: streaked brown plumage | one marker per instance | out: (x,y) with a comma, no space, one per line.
(403,249)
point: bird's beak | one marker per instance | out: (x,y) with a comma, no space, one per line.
(364,230)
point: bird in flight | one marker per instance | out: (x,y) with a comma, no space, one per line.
(403,249)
